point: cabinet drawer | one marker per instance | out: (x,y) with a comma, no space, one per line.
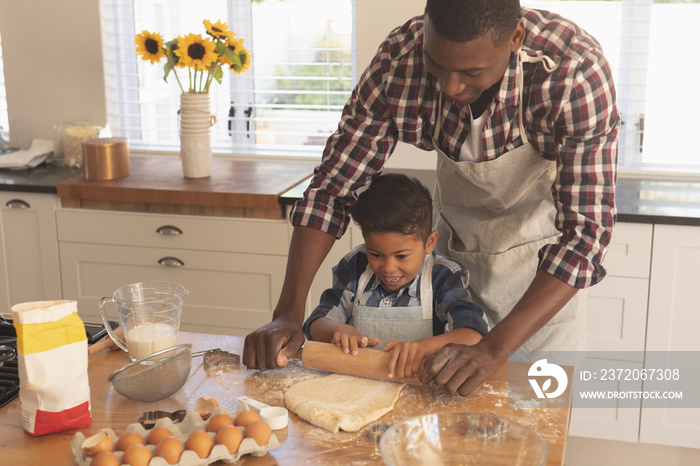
(173,231)
(230,293)
(629,251)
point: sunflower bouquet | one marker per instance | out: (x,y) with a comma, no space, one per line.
(203,57)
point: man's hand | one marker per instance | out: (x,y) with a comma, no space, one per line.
(272,345)
(460,368)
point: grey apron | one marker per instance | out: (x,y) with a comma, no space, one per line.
(396,323)
(493,217)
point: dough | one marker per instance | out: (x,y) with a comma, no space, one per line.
(342,401)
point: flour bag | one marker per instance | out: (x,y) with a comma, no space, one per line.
(54,392)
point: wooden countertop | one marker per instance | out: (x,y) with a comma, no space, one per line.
(241,188)
(301,443)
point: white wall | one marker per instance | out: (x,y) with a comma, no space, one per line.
(53,63)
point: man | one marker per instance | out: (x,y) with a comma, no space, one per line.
(520,106)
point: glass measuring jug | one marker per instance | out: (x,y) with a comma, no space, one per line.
(149,313)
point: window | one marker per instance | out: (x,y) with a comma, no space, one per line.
(649,46)
(4,120)
(288,102)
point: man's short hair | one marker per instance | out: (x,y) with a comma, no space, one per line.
(466,20)
(395,203)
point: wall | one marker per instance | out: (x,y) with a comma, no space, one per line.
(53,63)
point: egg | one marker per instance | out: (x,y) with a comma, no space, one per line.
(204,406)
(230,437)
(246,417)
(129,438)
(200,443)
(158,433)
(136,455)
(218,421)
(170,449)
(96,444)
(259,431)
(105,458)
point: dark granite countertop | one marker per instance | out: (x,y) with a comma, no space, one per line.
(638,201)
(42,179)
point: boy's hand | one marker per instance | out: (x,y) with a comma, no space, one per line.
(347,338)
(406,359)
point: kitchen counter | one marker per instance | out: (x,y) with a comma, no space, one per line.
(301,442)
(236,188)
(638,201)
(262,188)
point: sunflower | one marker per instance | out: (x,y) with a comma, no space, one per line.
(236,46)
(149,46)
(218,30)
(196,52)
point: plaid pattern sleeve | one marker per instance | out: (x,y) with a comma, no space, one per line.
(569,116)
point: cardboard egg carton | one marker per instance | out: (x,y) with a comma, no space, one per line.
(182,431)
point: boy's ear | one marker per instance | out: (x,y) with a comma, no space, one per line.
(431,242)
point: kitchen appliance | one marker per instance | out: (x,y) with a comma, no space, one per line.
(9,370)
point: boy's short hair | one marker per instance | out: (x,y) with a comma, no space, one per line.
(466,20)
(395,203)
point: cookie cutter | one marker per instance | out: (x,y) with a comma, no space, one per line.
(374,432)
(149,418)
(217,361)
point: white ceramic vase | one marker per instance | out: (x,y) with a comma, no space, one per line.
(196,122)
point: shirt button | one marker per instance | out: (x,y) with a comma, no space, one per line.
(386,301)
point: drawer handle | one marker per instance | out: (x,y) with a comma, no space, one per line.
(17,204)
(171,262)
(168,230)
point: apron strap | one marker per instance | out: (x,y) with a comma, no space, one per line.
(426,286)
(549,66)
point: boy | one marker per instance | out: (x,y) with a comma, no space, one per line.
(394,292)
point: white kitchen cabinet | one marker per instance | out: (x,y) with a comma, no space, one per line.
(616,321)
(29,263)
(233,267)
(674,321)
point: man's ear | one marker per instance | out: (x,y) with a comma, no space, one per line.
(431,241)
(517,37)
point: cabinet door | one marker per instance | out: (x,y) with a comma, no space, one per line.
(29,250)
(230,293)
(616,321)
(674,320)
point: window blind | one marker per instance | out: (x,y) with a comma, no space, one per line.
(642,40)
(289,100)
(4,120)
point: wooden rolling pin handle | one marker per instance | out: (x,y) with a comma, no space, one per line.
(369,363)
(106,342)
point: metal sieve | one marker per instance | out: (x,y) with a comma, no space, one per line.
(156,376)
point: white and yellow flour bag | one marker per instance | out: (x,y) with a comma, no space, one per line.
(54,392)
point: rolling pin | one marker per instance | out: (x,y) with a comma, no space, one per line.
(370,363)
(106,342)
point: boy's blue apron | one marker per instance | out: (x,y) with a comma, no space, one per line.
(399,323)
(493,217)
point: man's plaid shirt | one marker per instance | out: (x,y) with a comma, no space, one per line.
(570,116)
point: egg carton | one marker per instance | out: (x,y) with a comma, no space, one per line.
(181,431)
